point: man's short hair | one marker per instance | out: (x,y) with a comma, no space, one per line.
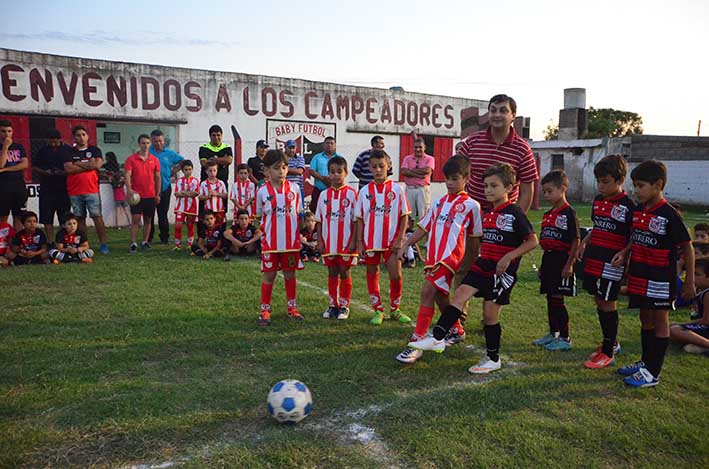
(210,163)
(215,128)
(77,128)
(143,136)
(420,140)
(185,163)
(557,177)
(611,165)
(701,227)
(5,123)
(242,166)
(504,171)
(54,134)
(241,212)
(650,171)
(337,161)
(157,133)
(379,155)
(457,164)
(375,139)
(329,138)
(273,157)
(703,265)
(503,98)
(27,215)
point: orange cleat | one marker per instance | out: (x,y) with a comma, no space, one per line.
(601,360)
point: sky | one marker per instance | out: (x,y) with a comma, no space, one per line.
(649,57)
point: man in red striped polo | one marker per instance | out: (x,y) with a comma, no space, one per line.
(498,144)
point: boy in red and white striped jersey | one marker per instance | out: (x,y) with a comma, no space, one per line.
(277,207)
(335,216)
(213,193)
(186,192)
(243,192)
(452,222)
(382,215)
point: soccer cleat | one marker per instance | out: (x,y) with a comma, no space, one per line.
(409,355)
(227,258)
(331,312)
(304,258)
(133,248)
(144,247)
(454,337)
(601,360)
(558,344)
(56,262)
(629,370)
(397,315)
(87,260)
(428,343)
(616,350)
(295,315)
(104,249)
(378,318)
(691,348)
(192,253)
(542,341)
(316,258)
(264,319)
(641,379)
(177,248)
(486,365)
(343,314)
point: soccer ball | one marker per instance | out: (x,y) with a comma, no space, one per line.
(134,198)
(289,401)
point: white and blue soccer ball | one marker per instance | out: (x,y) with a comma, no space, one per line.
(289,401)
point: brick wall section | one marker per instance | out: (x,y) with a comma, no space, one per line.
(668,148)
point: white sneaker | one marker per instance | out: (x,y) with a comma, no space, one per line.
(429,343)
(343,314)
(485,366)
(691,348)
(408,356)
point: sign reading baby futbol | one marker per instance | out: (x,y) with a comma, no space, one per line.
(308,136)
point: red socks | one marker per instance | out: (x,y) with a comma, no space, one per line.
(266,289)
(395,287)
(190,232)
(423,321)
(332,284)
(375,295)
(345,292)
(290,295)
(178,234)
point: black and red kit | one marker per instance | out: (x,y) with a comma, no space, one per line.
(560,228)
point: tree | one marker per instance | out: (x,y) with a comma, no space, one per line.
(608,122)
(551,132)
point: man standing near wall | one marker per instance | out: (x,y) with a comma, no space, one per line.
(48,164)
(296,168)
(255,163)
(218,151)
(319,171)
(143,177)
(417,170)
(169,166)
(13,161)
(361,165)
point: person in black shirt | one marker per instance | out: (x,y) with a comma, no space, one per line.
(48,164)
(255,163)
(13,161)
(72,244)
(218,151)
(29,246)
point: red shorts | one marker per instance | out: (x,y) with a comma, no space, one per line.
(275,261)
(340,261)
(376,257)
(441,277)
(180,217)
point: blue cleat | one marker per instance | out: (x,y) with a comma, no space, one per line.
(641,379)
(629,370)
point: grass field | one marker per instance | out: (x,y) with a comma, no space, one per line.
(156,359)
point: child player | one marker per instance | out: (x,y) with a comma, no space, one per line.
(507,236)
(243,192)
(213,193)
(7,232)
(186,207)
(701,232)
(335,222)
(382,216)
(309,239)
(452,222)
(601,253)
(242,237)
(71,244)
(29,246)
(209,237)
(560,240)
(695,333)
(657,233)
(277,207)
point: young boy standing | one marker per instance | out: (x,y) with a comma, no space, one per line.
(657,232)
(186,192)
(507,236)
(382,216)
(452,222)
(29,246)
(71,244)
(335,215)
(243,192)
(277,206)
(560,240)
(602,252)
(213,193)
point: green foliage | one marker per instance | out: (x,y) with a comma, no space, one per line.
(608,122)
(551,132)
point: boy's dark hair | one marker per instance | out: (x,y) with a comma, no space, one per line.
(557,177)
(242,166)
(69,216)
(215,128)
(373,141)
(210,163)
(185,163)
(28,214)
(5,123)
(54,133)
(650,171)
(241,212)
(329,138)
(308,214)
(701,227)
(142,136)
(701,247)
(703,265)
(502,98)
(379,155)
(157,133)
(337,161)
(76,128)
(274,156)
(611,165)
(207,212)
(457,164)
(504,171)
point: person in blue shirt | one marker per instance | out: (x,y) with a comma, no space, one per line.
(169,166)
(318,170)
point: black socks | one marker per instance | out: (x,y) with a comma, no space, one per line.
(449,316)
(492,341)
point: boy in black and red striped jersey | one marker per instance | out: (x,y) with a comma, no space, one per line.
(209,237)
(507,236)
(243,237)
(657,232)
(309,239)
(602,252)
(71,244)
(560,240)
(186,207)
(29,245)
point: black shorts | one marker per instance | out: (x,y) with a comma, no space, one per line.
(13,201)
(198,252)
(700,329)
(601,287)
(145,207)
(51,203)
(490,287)
(644,302)
(21,260)
(552,283)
